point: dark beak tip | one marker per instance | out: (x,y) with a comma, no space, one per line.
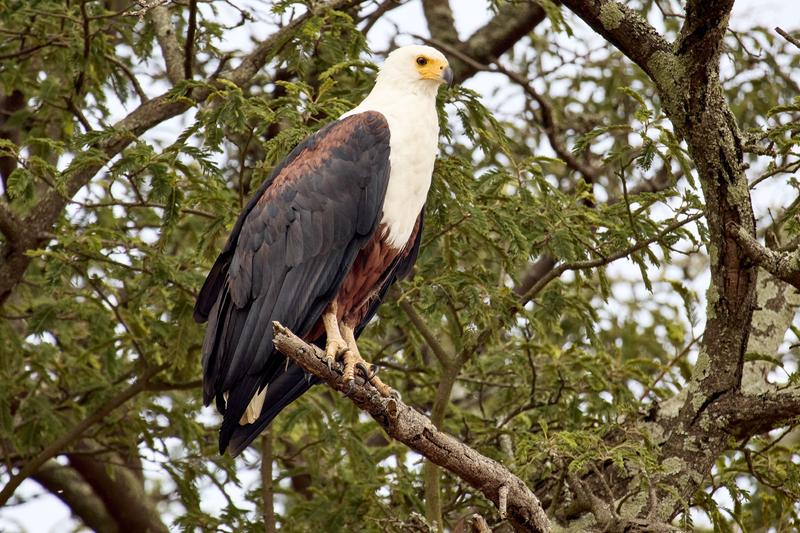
(447,76)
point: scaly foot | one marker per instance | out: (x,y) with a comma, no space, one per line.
(333,349)
(352,359)
(335,344)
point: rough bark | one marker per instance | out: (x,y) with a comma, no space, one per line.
(783,265)
(687,81)
(512,497)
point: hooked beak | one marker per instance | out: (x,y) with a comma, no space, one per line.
(447,76)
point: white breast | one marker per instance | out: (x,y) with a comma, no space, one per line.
(414,138)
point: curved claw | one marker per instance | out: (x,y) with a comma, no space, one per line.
(369,372)
(351,385)
(396,395)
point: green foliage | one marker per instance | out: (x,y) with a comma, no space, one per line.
(557,373)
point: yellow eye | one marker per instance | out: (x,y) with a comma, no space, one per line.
(422,61)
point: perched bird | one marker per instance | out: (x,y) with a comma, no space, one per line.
(325,236)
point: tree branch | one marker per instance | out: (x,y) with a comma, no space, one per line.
(441,24)
(784,266)
(703,29)
(512,22)
(68,486)
(693,99)
(267,489)
(786,35)
(416,431)
(168,41)
(120,489)
(188,55)
(71,436)
(601,261)
(445,359)
(548,119)
(10,224)
(624,28)
(748,414)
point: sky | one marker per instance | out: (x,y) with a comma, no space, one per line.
(45,513)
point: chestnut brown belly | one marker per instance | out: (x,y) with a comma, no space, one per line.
(362,283)
(365,279)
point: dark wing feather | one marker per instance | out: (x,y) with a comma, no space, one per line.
(285,260)
(293,382)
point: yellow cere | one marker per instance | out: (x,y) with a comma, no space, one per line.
(430,68)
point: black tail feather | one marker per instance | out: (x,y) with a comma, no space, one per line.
(283,390)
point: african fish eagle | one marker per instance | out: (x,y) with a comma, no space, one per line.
(319,244)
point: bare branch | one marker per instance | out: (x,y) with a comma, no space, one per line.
(121,491)
(783,33)
(168,41)
(512,22)
(416,431)
(441,23)
(748,414)
(188,55)
(784,266)
(624,28)
(267,492)
(383,8)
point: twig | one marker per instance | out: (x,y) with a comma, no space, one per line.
(131,77)
(267,493)
(416,431)
(548,119)
(502,504)
(87,47)
(783,33)
(445,359)
(668,366)
(600,261)
(189,52)
(381,10)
